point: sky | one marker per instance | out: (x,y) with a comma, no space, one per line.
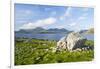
(30,16)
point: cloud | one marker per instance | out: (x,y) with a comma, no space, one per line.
(72,24)
(67,13)
(75,22)
(60,27)
(81,18)
(39,23)
(84,16)
(62,18)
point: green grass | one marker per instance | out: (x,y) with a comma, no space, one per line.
(36,51)
(89,43)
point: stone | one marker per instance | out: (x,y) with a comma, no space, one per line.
(71,42)
(74,41)
(78,49)
(62,43)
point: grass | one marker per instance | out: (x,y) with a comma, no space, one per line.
(37,51)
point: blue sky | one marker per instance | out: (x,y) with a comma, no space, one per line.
(29,16)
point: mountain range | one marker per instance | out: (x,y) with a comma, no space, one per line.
(40,30)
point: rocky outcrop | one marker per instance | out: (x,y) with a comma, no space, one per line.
(71,42)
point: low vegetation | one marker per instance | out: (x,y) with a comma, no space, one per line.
(38,51)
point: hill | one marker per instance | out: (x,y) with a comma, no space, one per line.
(42,30)
(90,31)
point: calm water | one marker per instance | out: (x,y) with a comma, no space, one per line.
(50,36)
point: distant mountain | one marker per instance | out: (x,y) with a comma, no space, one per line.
(42,30)
(90,31)
(36,30)
(56,30)
(83,31)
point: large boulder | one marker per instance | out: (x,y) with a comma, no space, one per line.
(62,43)
(71,42)
(74,41)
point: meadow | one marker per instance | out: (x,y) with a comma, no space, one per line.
(39,51)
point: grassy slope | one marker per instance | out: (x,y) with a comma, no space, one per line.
(39,52)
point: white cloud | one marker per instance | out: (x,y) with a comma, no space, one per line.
(72,24)
(62,18)
(60,27)
(76,24)
(81,18)
(67,13)
(84,16)
(39,23)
